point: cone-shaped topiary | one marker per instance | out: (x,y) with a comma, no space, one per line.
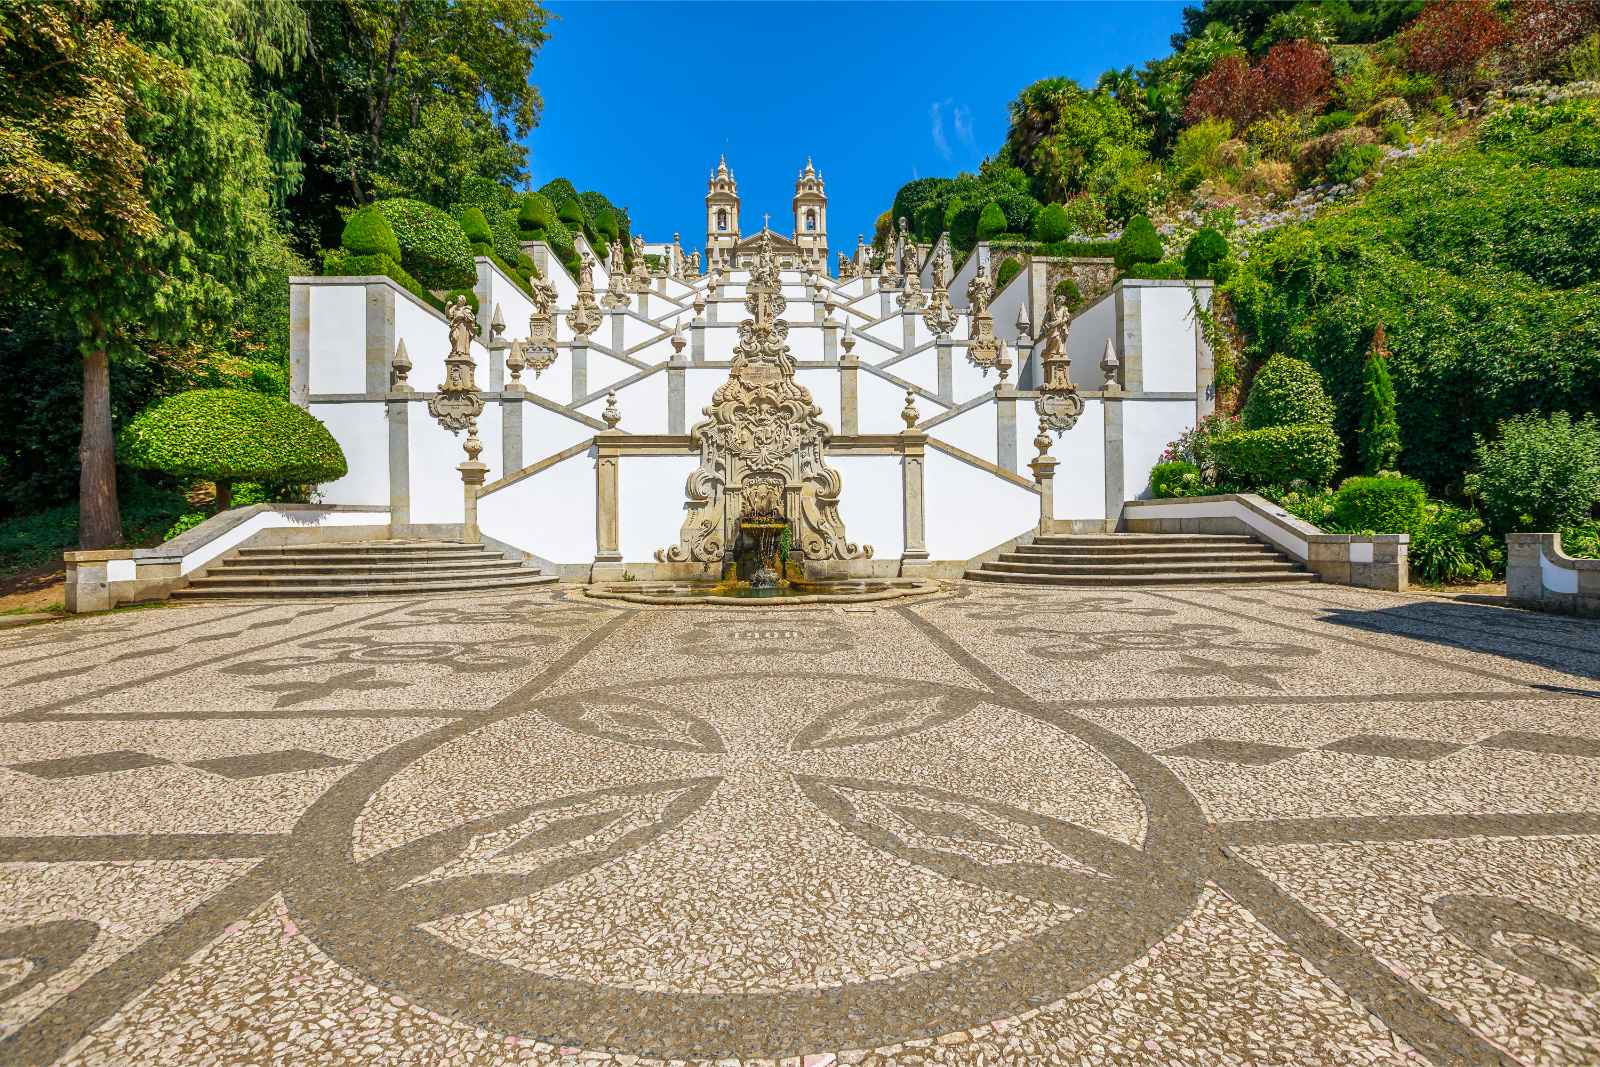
(1204,253)
(1380,428)
(1139,243)
(368,233)
(1052,224)
(606,224)
(230,435)
(571,213)
(1287,392)
(476,226)
(432,247)
(992,223)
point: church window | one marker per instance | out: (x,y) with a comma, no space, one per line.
(811,220)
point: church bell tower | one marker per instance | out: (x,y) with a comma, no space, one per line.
(811,217)
(722,215)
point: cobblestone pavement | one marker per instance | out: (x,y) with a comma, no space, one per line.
(1306,825)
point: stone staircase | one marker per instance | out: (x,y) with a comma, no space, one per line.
(1141,559)
(359,568)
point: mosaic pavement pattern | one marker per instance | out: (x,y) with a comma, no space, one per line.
(1200,826)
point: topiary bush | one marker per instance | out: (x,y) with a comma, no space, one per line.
(1205,253)
(1176,478)
(1139,243)
(507,236)
(1286,392)
(1068,288)
(476,227)
(1052,224)
(570,212)
(1539,474)
(433,249)
(1008,270)
(1166,270)
(230,435)
(368,233)
(991,222)
(341,262)
(606,224)
(1382,505)
(535,215)
(1277,455)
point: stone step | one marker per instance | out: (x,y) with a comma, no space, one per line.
(1111,554)
(1267,565)
(1140,540)
(982,574)
(314,576)
(229,590)
(361,565)
(364,551)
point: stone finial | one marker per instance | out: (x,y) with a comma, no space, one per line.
(1024,327)
(909,414)
(1041,441)
(848,341)
(1109,365)
(612,414)
(1003,361)
(402,367)
(472,445)
(497,324)
(699,303)
(677,338)
(515,361)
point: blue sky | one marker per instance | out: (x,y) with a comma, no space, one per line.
(641,98)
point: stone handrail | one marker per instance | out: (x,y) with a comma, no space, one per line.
(1541,576)
(1373,561)
(101,579)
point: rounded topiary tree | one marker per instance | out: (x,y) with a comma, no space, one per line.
(1052,224)
(1139,243)
(606,224)
(230,435)
(476,227)
(992,222)
(570,212)
(433,249)
(1007,273)
(1287,392)
(536,214)
(1204,253)
(368,233)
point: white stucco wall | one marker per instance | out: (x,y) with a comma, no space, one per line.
(971,431)
(824,387)
(337,339)
(1147,428)
(921,369)
(958,526)
(1167,325)
(1080,482)
(362,431)
(650,503)
(550,514)
(1091,327)
(427,339)
(643,405)
(435,452)
(872,504)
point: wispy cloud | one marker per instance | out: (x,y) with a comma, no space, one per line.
(962,119)
(936,117)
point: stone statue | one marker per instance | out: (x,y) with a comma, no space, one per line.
(1059,404)
(586,272)
(980,290)
(463,328)
(457,404)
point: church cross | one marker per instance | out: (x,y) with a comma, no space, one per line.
(766,220)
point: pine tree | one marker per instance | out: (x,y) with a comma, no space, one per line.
(1380,431)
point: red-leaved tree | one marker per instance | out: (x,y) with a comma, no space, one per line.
(1450,36)
(1295,75)
(1543,30)
(1231,89)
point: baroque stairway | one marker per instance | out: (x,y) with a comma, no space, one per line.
(359,568)
(1141,559)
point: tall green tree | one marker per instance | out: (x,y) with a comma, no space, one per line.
(1380,428)
(135,190)
(410,99)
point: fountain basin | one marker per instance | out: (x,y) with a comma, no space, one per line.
(740,594)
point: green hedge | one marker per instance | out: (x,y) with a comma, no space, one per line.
(1278,455)
(368,233)
(991,222)
(1205,253)
(1052,224)
(1382,505)
(1166,270)
(1008,270)
(342,263)
(1177,478)
(535,214)
(475,225)
(1539,474)
(507,235)
(228,435)
(1286,392)
(432,246)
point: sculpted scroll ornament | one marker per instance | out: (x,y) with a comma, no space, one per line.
(762,429)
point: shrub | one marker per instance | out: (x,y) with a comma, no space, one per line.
(186,522)
(1275,136)
(1333,120)
(536,213)
(992,222)
(1229,90)
(606,224)
(1295,76)
(432,247)
(1390,504)
(1541,472)
(1204,254)
(1380,430)
(526,265)
(1195,445)
(1052,224)
(1139,243)
(1450,36)
(1068,288)
(1286,392)
(570,212)
(476,227)
(1581,541)
(1278,455)
(1176,478)
(1197,154)
(1309,505)
(229,435)
(1317,155)
(1166,270)
(486,194)
(507,237)
(1008,271)
(339,262)
(1449,546)
(1350,162)
(368,233)
(470,294)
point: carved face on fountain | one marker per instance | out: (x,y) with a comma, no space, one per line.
(763,501)
(765,436)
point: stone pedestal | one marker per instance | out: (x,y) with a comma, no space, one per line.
(607,555)
(472,475)
(580,369)
(914,557)
(1005,426)
(849,394)
(947,387)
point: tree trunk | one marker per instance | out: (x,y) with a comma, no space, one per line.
(224,495)
(99,518)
